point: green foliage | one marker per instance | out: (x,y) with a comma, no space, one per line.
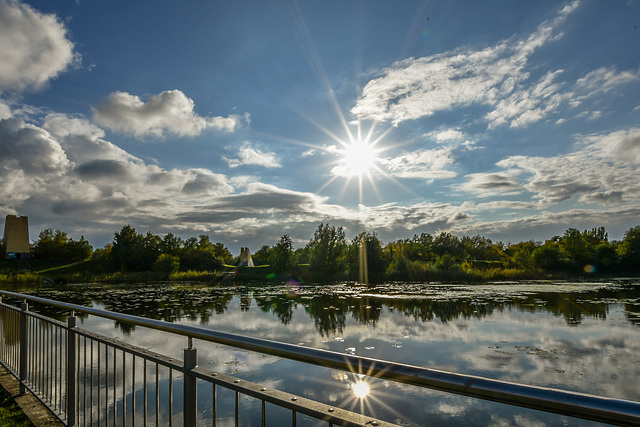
(447,243)
(57,246)
(402,268)
(327,252)
(167,264)
(127,250)
(132,251)
(281,257)
(203,255)
(24,278)
(367,246)
(550,256)
(520,255)
(261,257)
(447,263)
(328,257)
(629,249)
(10,412)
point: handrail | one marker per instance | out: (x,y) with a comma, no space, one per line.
(579,405)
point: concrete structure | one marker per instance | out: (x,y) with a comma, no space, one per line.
(245,258)
(15,243)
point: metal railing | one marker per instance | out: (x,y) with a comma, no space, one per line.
(88,379)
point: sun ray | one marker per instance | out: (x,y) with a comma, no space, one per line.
(333,178)
(315,62)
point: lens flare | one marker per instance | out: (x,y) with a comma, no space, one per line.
(360,389)
(358,158)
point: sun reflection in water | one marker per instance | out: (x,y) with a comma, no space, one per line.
(360,389)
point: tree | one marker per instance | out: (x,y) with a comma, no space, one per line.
(478,248)
(201,254)
(128,249)
(171,244)
(576,246)
(419,248)
(549,256)
(261,257)
(521,254)
(151,250)
(281,256)
(447,243)
(327,252)
(629,250)
(369,247)
(606,256)
(56,246)
(79,250)
(167,264)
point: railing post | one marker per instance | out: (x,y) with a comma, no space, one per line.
(72,321)
(24,307)
(190,386)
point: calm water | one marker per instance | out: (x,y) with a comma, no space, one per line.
(575,336)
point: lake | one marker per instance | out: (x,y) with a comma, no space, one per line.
(575,336)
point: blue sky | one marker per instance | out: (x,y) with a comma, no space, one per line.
(250,120)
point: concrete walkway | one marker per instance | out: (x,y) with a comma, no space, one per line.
(39,414)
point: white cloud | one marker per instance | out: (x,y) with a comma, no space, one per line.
(33,47)
(606,78)
(527,105)
(425,164)
(70,173)
(449,135)
(169,112)
(623,145)
(247,155)
(82,140)
(67,169)
(30,149)
(497,77)
(604,170)
(415,88)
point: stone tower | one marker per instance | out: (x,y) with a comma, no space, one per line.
(16,237)
(245,258)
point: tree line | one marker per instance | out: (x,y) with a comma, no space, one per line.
(330,256)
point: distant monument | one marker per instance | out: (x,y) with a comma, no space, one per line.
(245,258)
(16,237)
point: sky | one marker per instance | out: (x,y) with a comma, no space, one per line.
(250,120)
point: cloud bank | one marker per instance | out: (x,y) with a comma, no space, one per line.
(169,112)
(497,78)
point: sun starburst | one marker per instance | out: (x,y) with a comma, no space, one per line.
(358,158)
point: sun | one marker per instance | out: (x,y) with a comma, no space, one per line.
(358,158)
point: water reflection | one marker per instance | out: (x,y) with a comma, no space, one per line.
(360,389)
(577,336)
(331,307)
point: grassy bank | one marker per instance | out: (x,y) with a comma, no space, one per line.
(35,272)
(10,412)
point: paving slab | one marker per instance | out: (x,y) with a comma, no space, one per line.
(38,413)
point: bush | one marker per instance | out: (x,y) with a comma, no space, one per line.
(166,264)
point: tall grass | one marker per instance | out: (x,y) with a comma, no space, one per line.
(23,278)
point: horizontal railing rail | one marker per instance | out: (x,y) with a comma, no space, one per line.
(574,404)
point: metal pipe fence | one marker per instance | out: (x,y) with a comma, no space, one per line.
(87,378)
